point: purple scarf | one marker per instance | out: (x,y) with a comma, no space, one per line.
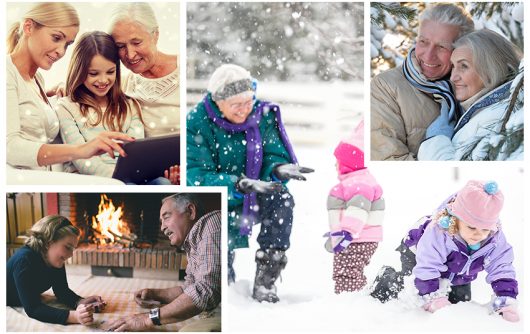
(254,151)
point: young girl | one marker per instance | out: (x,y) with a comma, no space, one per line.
(95,102)
(451,247)
(39,265)
(355,209)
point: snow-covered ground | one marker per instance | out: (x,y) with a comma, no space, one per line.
(308,302)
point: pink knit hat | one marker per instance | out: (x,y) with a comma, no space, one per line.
(478,204)
(349,152)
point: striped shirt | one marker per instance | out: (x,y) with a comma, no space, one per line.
(203,272)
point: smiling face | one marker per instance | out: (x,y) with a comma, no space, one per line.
(137,46)
(434,47)
(61,250)
(464,76)
(470,234)
(175,224)
(100,77)
(46,45)
(237,108)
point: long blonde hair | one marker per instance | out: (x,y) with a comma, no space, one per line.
(48,14)
(47,230)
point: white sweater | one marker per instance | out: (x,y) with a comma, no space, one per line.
(31,121)
(75,130)
(160,102)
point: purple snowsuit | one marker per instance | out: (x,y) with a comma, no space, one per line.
(441,255)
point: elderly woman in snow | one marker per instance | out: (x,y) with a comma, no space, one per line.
(237,141)
(491,125)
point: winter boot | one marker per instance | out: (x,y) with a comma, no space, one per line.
(270,263)
(387,284)
(231,272)
(460,293)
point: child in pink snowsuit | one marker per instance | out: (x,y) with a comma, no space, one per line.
(355,211)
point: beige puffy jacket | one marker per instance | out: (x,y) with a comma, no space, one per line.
(400,115)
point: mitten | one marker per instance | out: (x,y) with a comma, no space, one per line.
(506,307)
(246,186)
(291,171)
(433,304)
(441,125)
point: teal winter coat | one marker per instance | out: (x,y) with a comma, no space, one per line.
(216,157)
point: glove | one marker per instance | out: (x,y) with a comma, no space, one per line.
(506,307)
(441,125)
(433,305)
(246,186)
(291,171)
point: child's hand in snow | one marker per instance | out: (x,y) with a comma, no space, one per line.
(505,306)
(435,304)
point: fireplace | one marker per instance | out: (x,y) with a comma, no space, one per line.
(137,244)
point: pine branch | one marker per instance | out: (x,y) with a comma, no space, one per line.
(394,9)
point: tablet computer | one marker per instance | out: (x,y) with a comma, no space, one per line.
(147,159)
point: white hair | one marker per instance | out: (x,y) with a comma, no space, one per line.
(140,12)
(450,14)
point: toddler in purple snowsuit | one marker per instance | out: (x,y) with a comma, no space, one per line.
(462,238)
(355,211)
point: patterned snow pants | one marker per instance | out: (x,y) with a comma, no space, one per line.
(348,266)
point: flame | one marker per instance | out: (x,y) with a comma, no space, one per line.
(109,220)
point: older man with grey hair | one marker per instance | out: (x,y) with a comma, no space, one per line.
(198,233)
(405,100)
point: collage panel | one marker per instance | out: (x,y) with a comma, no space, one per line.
(279,218)
(447,81)
(93,93)
(113,261)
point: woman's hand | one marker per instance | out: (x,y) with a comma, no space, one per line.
(98,303)
(105,142)
(173,174)
(58,90)
(84,314)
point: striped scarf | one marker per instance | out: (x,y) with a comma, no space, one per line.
(441,90)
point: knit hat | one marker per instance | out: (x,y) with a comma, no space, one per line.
(478,204)
(230,80)
(349,152)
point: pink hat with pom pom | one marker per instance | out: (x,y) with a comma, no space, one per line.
(349,152)
(478,204)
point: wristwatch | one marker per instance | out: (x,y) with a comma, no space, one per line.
(154,315)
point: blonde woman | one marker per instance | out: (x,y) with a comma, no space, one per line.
(36,42)
(39,265)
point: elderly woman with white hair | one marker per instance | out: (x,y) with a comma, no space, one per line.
(483,64)
(237,141)
(154,80)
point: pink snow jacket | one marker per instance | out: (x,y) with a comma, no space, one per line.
(355,210)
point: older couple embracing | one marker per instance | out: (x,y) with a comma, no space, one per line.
(449,100)
(40,39)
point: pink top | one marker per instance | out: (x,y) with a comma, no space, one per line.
(355,205)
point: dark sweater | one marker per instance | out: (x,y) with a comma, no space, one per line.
(28,276)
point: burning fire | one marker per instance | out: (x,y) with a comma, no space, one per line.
(108,220)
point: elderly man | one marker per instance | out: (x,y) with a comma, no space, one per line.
(402,107)
(187,226)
